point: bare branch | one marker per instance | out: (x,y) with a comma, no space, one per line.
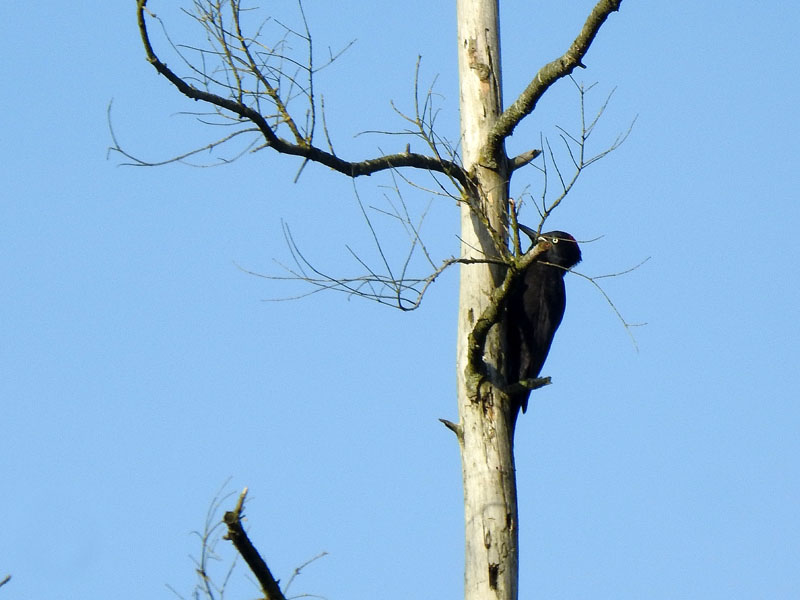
(236,105)
(405,293)
(522,159)
(593,280)
(548,75)
(208,586)
(619,273)
(576,148)
(297,570)
(423,127)
(453,427)
(237,535)
(180,158)
(391,281)
(271,91)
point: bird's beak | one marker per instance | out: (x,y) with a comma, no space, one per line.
(534,235)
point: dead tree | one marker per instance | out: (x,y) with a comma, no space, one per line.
(253,88)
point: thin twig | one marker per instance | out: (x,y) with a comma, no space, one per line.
(236,104)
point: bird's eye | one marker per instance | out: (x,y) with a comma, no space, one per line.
(554,240)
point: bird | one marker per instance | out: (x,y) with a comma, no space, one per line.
(535,306)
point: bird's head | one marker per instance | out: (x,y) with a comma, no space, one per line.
(563,249)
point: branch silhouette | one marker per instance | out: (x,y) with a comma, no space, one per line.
(548,75)
(240,59)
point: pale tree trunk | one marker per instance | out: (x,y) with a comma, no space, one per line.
(486,426)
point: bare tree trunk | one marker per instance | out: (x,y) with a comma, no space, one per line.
(486,427)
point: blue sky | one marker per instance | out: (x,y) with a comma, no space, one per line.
(141,368)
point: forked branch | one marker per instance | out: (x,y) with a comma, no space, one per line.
(235,104)
(576,148)
(379,285)
(548,75)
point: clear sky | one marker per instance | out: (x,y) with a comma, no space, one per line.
(141,369)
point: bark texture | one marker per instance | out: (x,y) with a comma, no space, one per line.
(486,426)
